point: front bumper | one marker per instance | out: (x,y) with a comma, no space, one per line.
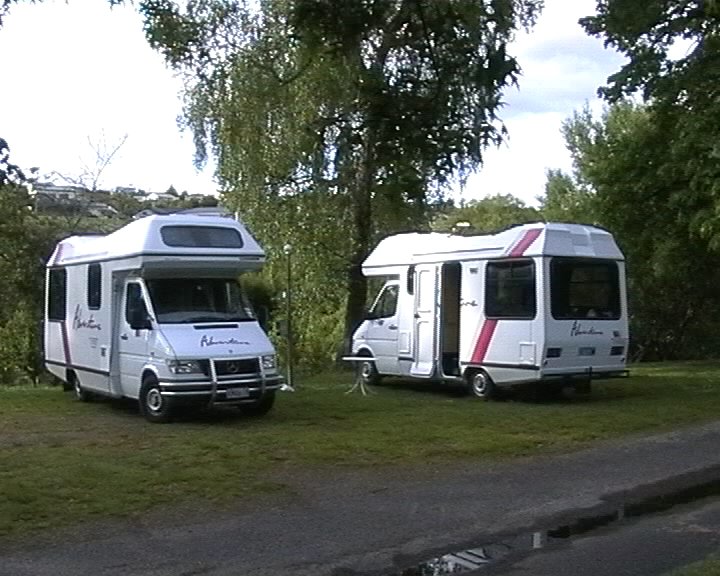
(223,387)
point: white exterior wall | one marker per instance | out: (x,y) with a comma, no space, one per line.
(510,350)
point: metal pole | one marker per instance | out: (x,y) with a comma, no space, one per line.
(288,302)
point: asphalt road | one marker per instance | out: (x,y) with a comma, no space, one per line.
(389,521)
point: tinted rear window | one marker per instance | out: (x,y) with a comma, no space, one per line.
(201,237)
(584,288)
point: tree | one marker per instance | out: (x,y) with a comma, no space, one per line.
(636,183)
(566,200)
(9,173)
(367,103)
(485,216)
(683,91)
(646,33)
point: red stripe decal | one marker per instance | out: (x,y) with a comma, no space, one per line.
(483,342)
(528,238)
(66,342)
(489,325)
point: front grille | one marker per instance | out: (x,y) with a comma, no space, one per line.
(238,367)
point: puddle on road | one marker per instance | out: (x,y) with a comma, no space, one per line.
(484,554)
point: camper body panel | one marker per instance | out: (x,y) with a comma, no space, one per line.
(487,303)
(190,341)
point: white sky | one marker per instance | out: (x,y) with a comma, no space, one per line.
(80,70)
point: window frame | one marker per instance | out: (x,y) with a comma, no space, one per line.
(509,262)
(57,304)
(386,288)
(141,299)
(190,230)
(614,299)
(94,286)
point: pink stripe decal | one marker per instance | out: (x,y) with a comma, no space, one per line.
(66,342)
(528,238)
(489,325)
(483,342)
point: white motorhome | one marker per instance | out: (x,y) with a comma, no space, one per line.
(541,303)
(154,312)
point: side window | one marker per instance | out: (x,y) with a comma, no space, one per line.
(57,294)
(134,303)
(510,289)
(386,304)
(94,286)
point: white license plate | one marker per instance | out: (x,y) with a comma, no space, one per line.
(233,393)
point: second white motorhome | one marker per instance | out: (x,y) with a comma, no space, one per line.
(540,303)
(154,312)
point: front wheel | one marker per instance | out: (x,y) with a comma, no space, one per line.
(153,406)
(368,374)
(480,385)
(259,407)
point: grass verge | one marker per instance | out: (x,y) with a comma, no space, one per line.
(64,462)
(708,567)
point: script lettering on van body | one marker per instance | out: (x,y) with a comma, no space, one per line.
(578,329)
(210,341)
(80,322)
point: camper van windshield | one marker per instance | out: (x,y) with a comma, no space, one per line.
(584,288)
(184,300)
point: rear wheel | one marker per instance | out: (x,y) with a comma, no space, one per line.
(153,406)
(259,407)
(480,385)
(80,393)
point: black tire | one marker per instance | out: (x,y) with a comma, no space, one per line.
(153,405)
(259,407)
(480,385)
(80,393)
(367,373)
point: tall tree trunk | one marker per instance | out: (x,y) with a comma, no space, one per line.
(362,228)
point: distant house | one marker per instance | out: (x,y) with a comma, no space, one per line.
(129,190)
(160,196)
(65,193)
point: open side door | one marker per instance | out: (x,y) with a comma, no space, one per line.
(425,317)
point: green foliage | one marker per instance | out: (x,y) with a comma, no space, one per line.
(485,216)
(360,106)
(631,179)
(566,200)
(645,32)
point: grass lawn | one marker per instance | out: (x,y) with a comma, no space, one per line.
(62,462)
(707,567)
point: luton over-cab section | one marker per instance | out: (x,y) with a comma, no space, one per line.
(154,312)
(540,304)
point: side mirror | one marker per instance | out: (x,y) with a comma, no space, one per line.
(263,315)
(139,319)
(370,315)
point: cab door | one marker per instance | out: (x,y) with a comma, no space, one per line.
(132,338)
(382,331)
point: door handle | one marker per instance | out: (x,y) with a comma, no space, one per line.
(124,336)
(392,327)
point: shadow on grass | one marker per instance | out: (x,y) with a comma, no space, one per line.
(602,392)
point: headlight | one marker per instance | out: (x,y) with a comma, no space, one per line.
(184,366)
(268,362)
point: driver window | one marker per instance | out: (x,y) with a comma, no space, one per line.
(386,304)
(134,303)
